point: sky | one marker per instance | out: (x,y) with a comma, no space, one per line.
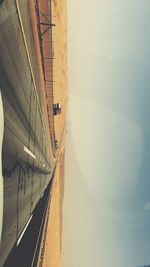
(107,181)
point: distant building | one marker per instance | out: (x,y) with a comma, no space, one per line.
(56,109)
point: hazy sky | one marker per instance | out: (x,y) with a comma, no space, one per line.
(107,189)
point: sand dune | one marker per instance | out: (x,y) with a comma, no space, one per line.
(52,256)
